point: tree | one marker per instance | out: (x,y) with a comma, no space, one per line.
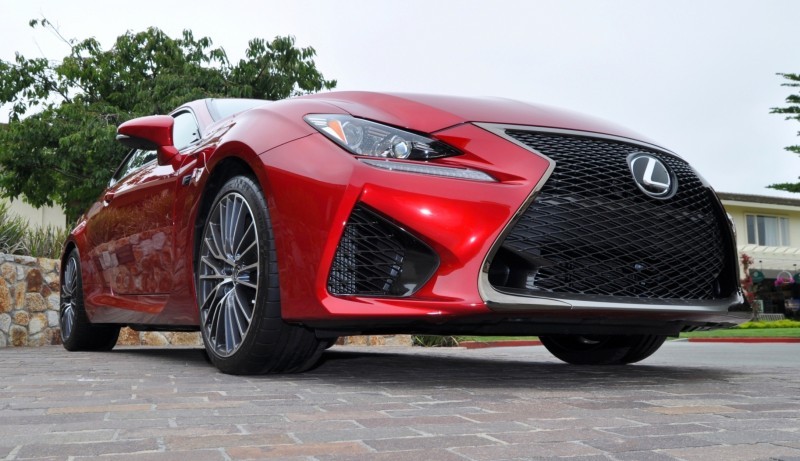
(59,144)
(792,112)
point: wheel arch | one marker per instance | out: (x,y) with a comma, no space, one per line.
(69,246)
(221,172)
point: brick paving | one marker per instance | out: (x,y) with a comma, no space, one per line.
(688,402)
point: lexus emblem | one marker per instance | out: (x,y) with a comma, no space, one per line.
(652,176)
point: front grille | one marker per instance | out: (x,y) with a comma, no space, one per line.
(591,231)
(375,257)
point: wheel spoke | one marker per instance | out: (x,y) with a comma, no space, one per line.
(228,270)
(252,243)
(244,309)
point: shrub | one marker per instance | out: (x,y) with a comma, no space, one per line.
(17,237)
(434,341)
(12,232)
(772,324)
(45,242)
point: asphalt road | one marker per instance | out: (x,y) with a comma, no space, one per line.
(690,401)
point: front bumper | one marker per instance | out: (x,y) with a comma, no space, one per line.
(464,223)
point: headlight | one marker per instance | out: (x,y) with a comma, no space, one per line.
(362,137)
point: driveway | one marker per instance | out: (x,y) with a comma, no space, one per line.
(690,401)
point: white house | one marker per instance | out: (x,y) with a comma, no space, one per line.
(768,230)
(43,217)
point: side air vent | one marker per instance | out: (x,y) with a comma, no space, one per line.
(376,257)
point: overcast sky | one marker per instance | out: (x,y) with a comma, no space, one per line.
(697,77)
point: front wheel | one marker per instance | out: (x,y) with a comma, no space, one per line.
(602,349)
(238,292)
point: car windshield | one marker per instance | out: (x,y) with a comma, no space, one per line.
(222,108)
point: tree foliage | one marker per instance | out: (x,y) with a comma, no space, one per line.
(59,144)
(792,112)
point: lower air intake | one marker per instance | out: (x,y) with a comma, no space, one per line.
(375,257)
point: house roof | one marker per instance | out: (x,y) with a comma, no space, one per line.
(763,199)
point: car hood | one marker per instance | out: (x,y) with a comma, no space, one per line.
(431,113)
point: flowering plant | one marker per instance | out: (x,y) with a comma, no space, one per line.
(783,279)
(747,281)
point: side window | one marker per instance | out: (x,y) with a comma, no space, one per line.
(185,131)
(135,160)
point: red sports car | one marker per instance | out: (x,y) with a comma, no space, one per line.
(276,227)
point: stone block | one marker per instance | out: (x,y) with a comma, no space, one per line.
(34,281)
(19,336)
(128,337)
(53,281)
(54,301)
(48,265)
(5,323)
(25,260)
(397,340)
(36,340)
(355,340)
(5,297)
(376,340)
(184,339)
(52,318)
(34,302)
(19,295)
(53,336)
(37,324)
(154,338)
(21,318)
(8,271)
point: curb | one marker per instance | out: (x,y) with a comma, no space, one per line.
(521,343)
(744,340)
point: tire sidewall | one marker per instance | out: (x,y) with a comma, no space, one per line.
(71,342)
(267,306)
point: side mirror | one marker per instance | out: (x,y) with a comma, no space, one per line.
(150,133)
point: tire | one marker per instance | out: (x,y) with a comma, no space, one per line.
(236,275)
(77,332)
(328,343)
(601,349)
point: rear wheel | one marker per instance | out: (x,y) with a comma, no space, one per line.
(238,292)
(602,349)
(77,332)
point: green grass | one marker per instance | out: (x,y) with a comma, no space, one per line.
(486,339)
(748,332)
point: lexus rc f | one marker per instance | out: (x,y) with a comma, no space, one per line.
(274,228)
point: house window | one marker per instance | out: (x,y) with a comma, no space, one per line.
(772,231)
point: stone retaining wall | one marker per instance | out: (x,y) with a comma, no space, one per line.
(29,289)
(28,301)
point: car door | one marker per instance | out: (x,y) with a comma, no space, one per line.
(132,235)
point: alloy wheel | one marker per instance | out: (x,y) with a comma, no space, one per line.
(69,287)
(228,274)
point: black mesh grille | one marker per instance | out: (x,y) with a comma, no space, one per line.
(591,231)
(377,258)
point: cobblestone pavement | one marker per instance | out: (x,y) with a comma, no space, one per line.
(690,401)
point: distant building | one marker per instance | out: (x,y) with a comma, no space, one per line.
(768,230)
(45,216)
